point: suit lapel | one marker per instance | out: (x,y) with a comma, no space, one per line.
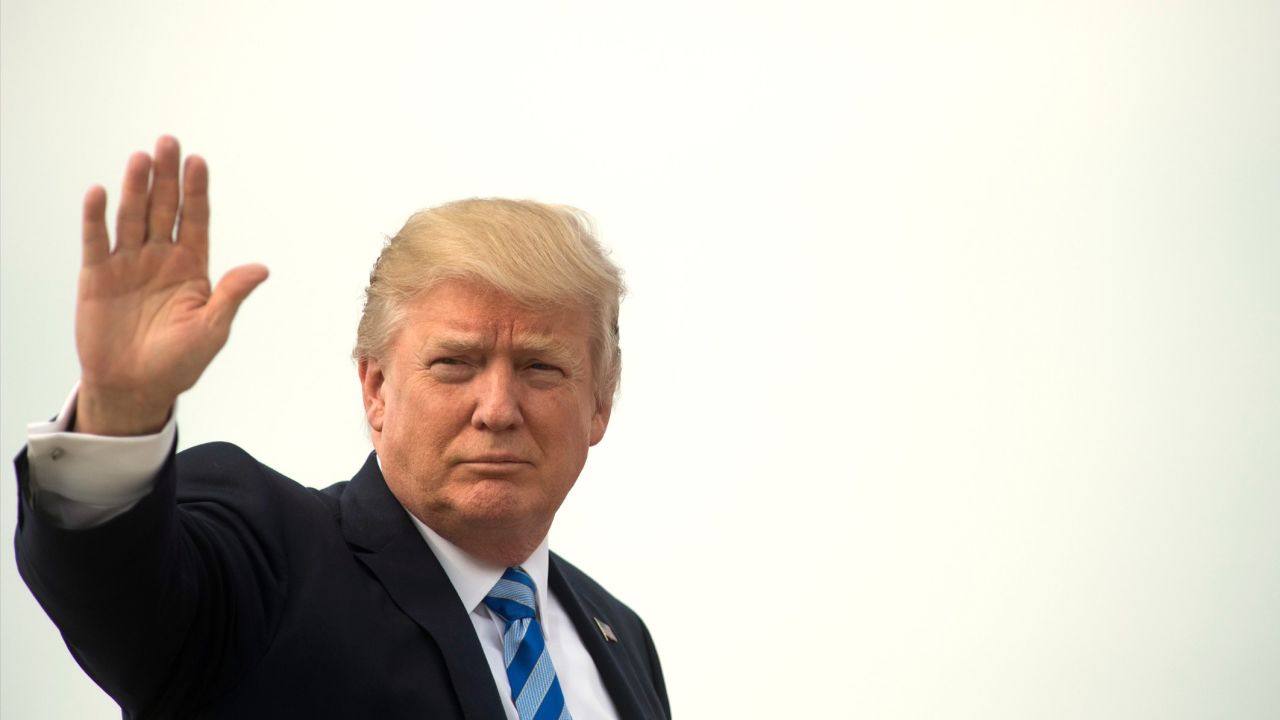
(607,656)
(385,540)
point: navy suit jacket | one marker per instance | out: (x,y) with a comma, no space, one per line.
(232,591)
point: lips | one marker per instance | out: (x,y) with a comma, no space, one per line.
(494,466)
(495,459)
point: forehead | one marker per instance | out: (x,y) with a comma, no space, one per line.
(459,312)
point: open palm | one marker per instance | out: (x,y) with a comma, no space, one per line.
(148,321)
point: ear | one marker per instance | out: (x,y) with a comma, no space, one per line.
(600,420)
(371,383)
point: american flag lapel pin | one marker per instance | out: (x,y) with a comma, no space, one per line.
(605,630)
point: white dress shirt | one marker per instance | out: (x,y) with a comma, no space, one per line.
(84,480)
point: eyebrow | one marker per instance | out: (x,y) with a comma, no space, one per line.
(531,344)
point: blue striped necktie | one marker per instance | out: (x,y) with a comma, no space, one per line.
(534,685)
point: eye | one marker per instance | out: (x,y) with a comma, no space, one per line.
(451,369)
(543,372)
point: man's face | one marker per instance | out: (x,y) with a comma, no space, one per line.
(482,412)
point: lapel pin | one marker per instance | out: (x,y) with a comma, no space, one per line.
(605,630)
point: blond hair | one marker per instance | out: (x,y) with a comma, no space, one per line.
(538,254)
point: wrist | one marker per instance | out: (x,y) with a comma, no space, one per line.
(118,414)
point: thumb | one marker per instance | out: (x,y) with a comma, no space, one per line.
(232,289)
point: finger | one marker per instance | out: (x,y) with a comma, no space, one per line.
(193,226)
(232,289)
(96,245)
(131,219)
(163,207)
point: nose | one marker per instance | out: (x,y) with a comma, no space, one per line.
(498,400)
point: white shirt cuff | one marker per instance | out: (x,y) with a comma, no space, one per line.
(83,480)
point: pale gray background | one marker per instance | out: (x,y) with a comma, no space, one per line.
(952,350)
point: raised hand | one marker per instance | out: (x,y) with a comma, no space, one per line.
(148,321)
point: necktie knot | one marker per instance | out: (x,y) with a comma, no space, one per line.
(513,597)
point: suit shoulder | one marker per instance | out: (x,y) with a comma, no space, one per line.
(218,455)
(228,466)
(588,588)
(223,462)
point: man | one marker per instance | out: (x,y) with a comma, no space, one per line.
(207,585)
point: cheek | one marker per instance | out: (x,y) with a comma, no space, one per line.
(414,424)
(571,427)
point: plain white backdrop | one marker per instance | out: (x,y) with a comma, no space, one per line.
(952,352)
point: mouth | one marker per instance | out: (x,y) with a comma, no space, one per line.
(494,464)
(495,459)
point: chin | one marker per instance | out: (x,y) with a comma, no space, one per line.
(496,502)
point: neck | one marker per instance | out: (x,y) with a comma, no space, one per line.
(502,546)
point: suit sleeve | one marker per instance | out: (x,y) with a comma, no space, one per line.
(167,604)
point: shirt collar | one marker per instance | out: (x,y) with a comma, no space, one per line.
(472,577)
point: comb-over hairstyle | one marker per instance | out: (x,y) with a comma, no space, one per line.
(537,254)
